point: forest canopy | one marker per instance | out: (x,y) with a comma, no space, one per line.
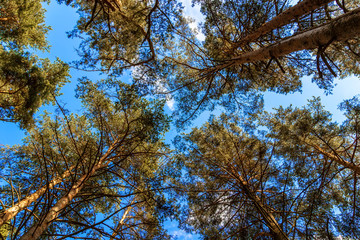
(110,171)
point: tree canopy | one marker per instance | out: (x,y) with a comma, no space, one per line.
(106,161)
(297,179)
(250,47)
(26,81)
(110,172)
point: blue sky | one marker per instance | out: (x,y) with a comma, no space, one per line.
(63,19)
(344,89)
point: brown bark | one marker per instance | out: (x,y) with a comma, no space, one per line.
(282,19)
(11,212)
(342,28)
(269,219)
(38,229)
(336,158)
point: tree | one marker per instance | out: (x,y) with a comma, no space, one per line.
(250,46)
(105,173)
(108,162)
(122,34)
(230,183)
(308,137)
(281,19)
(255,46)
(26,82)
(286,182)
(312,128)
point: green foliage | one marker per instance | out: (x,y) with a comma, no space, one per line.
(4,231)
(156,39)
(225,30)
(26,82)
(118,35)
(203,75)
(228,174)
(302,170)
(117,119)
(289,180)
(22,24)
(324,156)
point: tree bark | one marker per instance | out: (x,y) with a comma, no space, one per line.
(269,219)
(37,230)
(339,29)
(11,212)
(336,158)
(282,19)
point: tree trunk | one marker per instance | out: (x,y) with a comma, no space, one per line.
(21,205)
(339,29)
(37,230)
(269,219)
(282,19)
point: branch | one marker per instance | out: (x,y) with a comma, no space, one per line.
(282,19)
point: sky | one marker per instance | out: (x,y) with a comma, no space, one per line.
(63,18)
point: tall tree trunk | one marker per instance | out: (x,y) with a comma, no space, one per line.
(339,29)
(282,19)
(37,230)
(11,212)
(269,219)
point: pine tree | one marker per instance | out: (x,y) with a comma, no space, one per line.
(296,179)
(108,162)
(119,34)
(230,183)
(326,153)
(255,46)
(26,82)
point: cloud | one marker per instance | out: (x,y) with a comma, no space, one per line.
(181,234)
(170,103)
(197,17)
